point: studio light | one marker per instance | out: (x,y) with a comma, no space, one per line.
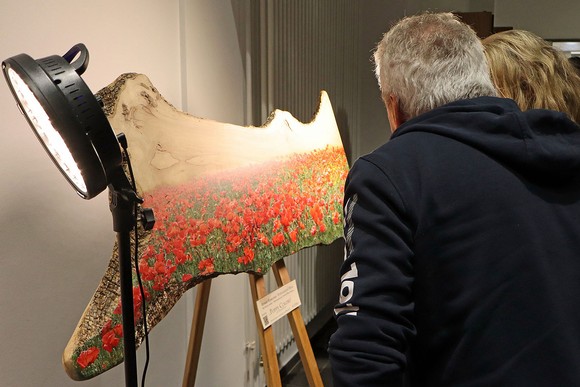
(66,116)
(71,125)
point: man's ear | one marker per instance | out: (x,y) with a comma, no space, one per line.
(394,112)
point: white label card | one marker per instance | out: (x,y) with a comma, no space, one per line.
(278,304)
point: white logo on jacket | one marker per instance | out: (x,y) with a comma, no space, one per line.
(347,287)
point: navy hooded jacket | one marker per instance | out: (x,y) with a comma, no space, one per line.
(462,263)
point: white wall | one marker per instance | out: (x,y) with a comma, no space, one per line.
(54,245)
(556,19)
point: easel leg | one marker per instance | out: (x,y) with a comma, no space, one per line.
(197,325)
(267,346)
(299,331)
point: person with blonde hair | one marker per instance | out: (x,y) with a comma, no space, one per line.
(527,69)
(462,232)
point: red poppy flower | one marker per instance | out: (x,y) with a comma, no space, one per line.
(110,341)
(186,277)
(180,256)
(206,266)
(316,213)
(160,267)
(294,235)
(247,257)
(147,274)
(278,239)
(335,217)
(159,283)
(88,357)
(106,328)
(286,219)
(118,329)
(262,238)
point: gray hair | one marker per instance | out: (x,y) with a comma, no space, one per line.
(429,60)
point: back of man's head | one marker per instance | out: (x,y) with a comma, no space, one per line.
(429,60)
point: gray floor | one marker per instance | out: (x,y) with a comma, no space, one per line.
(296,377)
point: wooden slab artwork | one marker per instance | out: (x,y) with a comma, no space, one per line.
(227,199)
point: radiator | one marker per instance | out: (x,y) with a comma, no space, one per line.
(316,273)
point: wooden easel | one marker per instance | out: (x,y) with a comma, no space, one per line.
(267,345)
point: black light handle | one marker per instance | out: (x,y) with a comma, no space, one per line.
(81,64)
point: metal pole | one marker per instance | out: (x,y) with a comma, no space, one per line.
(122,202)
(125,272)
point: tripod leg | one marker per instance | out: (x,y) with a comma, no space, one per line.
(299,330)
(197,325)
(267,345)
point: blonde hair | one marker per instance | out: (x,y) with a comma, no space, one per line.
(527,69)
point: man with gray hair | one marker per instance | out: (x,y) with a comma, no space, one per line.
(462,233)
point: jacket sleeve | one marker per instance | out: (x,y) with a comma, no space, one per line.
(374,314)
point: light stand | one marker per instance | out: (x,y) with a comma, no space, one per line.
(69,122)
(122,203)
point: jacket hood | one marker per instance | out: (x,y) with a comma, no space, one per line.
(540,144)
